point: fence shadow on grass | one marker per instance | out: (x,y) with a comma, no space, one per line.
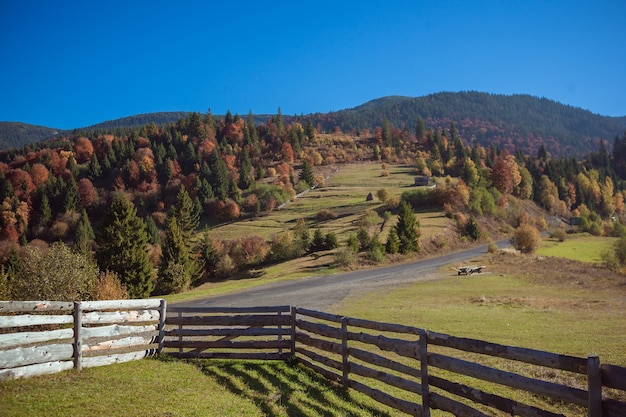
(280,389)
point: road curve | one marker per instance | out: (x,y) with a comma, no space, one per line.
(323,292)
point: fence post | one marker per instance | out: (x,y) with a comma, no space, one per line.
(344,352)
(423,351)
(162,313)
(78,337)
(180,333)
(280,336)
(594,386)
(293,331)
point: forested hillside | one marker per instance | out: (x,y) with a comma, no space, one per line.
(15,135)
(516,123)
(132,201)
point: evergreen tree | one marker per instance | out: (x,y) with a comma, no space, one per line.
(245,171)
(121,242)
(209,257)
(219,175)
(187,216)
(420,130)
(71,201)
(407,229)
(387,139)
(153,231)
(175,252)
(72,166)
(45,211)
(84,234)
(307,173)
(95,170)
(393,242)
(318,243)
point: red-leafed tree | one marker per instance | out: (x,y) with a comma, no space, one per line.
(501,176)
(88,193)
(287,152)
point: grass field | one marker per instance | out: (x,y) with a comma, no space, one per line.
(581,247)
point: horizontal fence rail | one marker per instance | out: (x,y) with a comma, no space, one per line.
(44,337)
(410,369)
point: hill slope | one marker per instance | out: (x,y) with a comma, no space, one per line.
(513,122)
(16,135)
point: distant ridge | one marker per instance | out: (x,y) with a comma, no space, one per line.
(512,122)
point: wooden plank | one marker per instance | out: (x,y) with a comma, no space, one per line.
(27,371)
(319,329)
(140,304)
(345,364)
(89,362)
(326,345)
(613,376)
(229,332)
(330,375)
(383,327)
(161,328)
(536,386)
(424,374)
(331,363)
(407,407)
(377,360)
(266,356)
(501,403)
(126,342)
(77,345)
(13,358)
(227,310)
(613,408)
(228,344)
(531,356)
(9,340)
(115,317)
(458,409)
(319,315)
(399,346)
(117,330)
(242,320)
(389,379)
(29,306)
(34,320)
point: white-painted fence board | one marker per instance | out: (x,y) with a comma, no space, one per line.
(10,340)
(111,317)
(34,320)
(92,361)
(126,342)
(34,370)
(28,306)
(115,330)
(13,358)
(120,304)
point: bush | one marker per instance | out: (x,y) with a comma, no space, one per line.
(325,214)
(526,239)
(109,287)
(559,235)
(471,230)
(173,279)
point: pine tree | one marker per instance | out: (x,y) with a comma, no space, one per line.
(307,173)
(95,170)
(84,234)
(175,252)
(187,216)
(71,200)
(393,242)
(219,175)
(245,171)
(407,229)
(121,242)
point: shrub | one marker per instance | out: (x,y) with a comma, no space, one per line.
(492,248)
(559,234)
(376,251)
(345,257)
(109,287)
(526,239)
(472,230)
(325,214)
(173,279)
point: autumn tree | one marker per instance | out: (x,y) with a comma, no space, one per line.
(501,177)
(526,238)
(83,150)
(121,241)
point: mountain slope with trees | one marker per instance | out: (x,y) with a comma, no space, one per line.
(515,122)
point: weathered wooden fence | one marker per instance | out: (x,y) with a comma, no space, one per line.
(43,337)
(410,369)
(235,333)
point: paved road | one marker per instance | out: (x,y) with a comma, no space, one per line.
(323,292)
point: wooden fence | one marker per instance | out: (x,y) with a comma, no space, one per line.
(410,369)
(44,337)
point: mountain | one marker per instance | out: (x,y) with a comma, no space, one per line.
(513,122)
(16,135)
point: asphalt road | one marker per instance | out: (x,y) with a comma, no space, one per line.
(323,292)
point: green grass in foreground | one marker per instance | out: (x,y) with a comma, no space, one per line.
(174,388)
(580,247)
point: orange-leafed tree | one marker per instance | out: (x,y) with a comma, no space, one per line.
(88,193)
(39,174)
(501,176)
(287,153)
(83,149)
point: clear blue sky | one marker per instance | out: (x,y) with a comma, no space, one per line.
(68,64)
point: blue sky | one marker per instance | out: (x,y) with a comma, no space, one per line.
(69,64)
